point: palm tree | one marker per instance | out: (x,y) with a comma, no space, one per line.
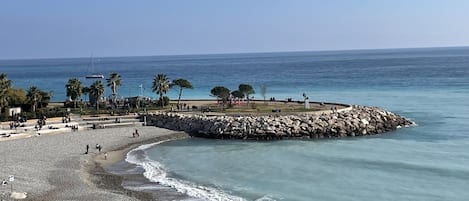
(34,96)
(182,84)
(74,90)
(96,90)
(46,96)
(5,85)
(161,86)
(113,81)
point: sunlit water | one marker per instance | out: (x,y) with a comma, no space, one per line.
(425,162)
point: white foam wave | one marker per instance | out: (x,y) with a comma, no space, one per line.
(156,172)
(266,198)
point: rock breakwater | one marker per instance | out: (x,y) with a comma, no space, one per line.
(355,121)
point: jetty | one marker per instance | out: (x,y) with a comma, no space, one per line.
(349,121)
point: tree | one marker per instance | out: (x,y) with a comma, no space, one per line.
(74,90)
(182,84)
(96,90)
(86,91)
(222,93)
(113,81)
(17,96)
(46,96)
(5,85)
(247,90)
(37,98)
(161,86)
(263,91)
(237,94)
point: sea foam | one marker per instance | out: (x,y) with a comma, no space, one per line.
(156,172)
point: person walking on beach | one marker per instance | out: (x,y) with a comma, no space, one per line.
(99,148)
(87,148)
(105,155)
(136,133)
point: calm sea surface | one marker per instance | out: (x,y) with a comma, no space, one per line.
(426,162)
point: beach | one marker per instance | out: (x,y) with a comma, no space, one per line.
(427,86)
(55,166)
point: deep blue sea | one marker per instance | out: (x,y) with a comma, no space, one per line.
(426,162)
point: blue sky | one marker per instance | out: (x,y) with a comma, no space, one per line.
(60,28)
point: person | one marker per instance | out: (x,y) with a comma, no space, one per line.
(87,148)
(99,148)
(105,155)
(136,133)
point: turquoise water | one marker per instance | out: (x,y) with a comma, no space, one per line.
(425,162)
(429,161)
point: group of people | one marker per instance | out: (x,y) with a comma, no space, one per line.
(135,134)
(14,125)
(19,122)
(334,109)
(73,127)
(98,147)
(66,119)
(40,122)
(182,106)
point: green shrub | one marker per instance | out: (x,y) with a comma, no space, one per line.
(165,101)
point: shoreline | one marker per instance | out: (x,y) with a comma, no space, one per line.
(101,175)
(55,167)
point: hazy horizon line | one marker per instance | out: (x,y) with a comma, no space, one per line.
(234,53)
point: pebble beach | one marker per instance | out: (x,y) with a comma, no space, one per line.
(55,166)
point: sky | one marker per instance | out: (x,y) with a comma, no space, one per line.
(65,28)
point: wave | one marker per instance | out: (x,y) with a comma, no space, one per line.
(266,198)
(155,172)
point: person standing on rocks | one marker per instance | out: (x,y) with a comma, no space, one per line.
(87,148)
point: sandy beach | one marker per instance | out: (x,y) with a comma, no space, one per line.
(55,167)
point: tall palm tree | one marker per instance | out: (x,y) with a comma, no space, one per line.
(74,90)
(34,96)
(5,85)
(182,84)
(96,90)
(161,86)
(113,81)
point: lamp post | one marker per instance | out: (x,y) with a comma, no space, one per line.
(141,89)
(306,102)
(11,178)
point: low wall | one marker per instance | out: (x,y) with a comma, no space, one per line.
(352,121)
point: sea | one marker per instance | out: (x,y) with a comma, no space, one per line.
(425,162)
